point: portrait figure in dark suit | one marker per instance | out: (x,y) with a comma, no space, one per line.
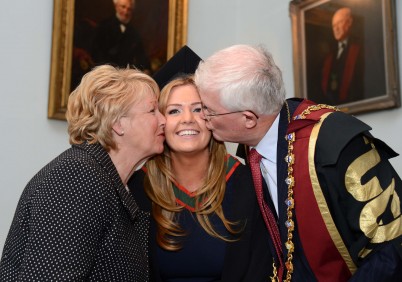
(342,79)
(117,42)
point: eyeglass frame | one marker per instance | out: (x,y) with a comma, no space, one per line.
(209,116)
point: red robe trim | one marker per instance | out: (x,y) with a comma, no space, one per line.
(349,70)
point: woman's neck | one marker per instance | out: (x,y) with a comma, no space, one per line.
(125,165)
(190,169)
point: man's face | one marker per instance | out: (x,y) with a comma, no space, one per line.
(341,23)
(124,9)
(226,127)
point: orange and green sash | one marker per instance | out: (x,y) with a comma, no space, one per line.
(187,199)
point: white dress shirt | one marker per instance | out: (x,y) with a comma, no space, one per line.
(341,47)
(267,148)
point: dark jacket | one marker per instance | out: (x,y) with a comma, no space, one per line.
(119,48)
(343,79)
(76,222)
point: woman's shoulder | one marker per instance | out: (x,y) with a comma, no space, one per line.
(236,168)
(239,181)
(74,169)
(71,180)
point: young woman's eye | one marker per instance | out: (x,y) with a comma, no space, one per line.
(197,110)
(173,111)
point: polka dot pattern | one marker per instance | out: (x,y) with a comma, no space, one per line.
(75,221)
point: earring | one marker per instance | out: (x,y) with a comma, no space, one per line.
(122,133)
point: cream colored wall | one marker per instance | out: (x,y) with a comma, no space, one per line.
(29,140)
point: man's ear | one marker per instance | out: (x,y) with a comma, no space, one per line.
(250,119)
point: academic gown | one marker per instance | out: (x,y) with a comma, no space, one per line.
(247,259)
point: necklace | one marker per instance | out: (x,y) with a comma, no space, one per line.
(289,159)
(291,137)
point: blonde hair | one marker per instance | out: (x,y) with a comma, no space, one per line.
(104,95)
(209,197)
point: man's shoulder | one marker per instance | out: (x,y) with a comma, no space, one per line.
(336,131)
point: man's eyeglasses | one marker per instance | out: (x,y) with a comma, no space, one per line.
(208,115)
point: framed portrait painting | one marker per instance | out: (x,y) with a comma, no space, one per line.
(345,53)
(136,33)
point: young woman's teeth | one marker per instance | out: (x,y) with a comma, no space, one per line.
(187,132)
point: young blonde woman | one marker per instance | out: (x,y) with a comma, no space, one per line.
(206,224)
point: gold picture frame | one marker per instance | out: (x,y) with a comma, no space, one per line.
(371,83)
(62,44)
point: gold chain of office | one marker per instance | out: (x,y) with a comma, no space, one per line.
(290,158)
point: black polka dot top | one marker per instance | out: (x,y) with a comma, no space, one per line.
(75,221)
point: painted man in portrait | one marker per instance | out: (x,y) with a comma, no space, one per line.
(117,42)
(342,78)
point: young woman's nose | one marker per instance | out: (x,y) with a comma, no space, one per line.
(188,116)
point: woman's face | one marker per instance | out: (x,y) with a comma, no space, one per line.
(144,127)
(185,131)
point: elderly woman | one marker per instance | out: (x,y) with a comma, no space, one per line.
(75,220)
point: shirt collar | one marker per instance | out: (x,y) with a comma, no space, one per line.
(268,144)
(345,42)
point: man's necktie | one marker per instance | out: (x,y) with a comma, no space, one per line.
(341,47)
(270,222)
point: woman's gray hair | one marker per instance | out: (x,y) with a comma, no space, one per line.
(245,78)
